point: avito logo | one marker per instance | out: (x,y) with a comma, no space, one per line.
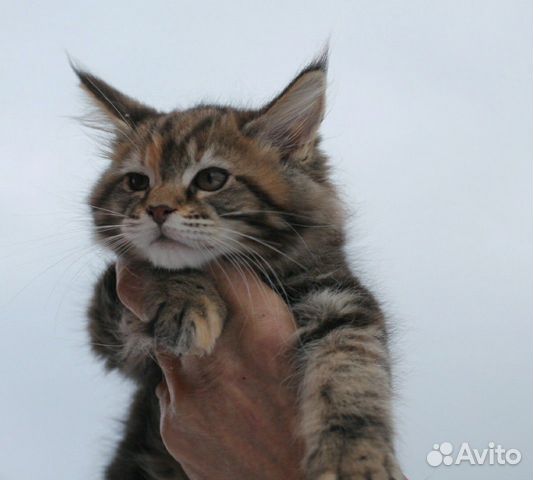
(443,454)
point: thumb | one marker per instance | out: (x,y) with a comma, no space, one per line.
(173,376)
(131,288)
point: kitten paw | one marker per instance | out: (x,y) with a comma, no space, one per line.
(188,320)
(357,462)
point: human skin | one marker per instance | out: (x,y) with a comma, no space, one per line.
(231,414)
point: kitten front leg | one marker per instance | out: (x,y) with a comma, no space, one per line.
(117,336)
(346,390)
(185,311)
(184,314)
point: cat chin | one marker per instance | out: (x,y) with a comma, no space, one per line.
(176,258)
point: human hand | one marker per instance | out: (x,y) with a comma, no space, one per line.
(231,414)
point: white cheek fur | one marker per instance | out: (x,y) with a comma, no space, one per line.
(175,258)
(188,249)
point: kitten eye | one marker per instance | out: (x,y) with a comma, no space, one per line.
(138,181)
(211,179)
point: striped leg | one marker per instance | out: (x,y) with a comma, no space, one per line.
(346,390)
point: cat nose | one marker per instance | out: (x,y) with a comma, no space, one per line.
(160,213)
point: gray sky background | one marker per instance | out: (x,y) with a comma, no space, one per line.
(429,129)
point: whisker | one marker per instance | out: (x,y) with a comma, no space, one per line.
(261,242)
(232,258)
(279,212)
(109,212)
(277,286)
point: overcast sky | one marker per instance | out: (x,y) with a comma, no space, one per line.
(429,129)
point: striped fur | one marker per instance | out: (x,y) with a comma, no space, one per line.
(277,215)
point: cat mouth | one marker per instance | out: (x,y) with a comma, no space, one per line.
(170,242)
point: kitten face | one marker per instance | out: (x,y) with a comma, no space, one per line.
(180,200)
(186,188)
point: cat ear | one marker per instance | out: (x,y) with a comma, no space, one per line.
(121,110)
(291,120)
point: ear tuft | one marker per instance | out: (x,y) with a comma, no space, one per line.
(292,119)
(117,107)
(320,62)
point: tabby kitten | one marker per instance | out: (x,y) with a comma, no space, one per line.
(215,183)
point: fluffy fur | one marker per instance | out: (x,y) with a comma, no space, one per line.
(274,211)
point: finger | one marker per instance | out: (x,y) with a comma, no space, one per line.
(120,264)
(131,289)
(240,288)
(243,291)
(162,392)
(256,311)
(172,374)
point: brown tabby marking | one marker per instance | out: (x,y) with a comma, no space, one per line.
(250,188)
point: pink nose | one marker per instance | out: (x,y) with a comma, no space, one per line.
(160,213)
